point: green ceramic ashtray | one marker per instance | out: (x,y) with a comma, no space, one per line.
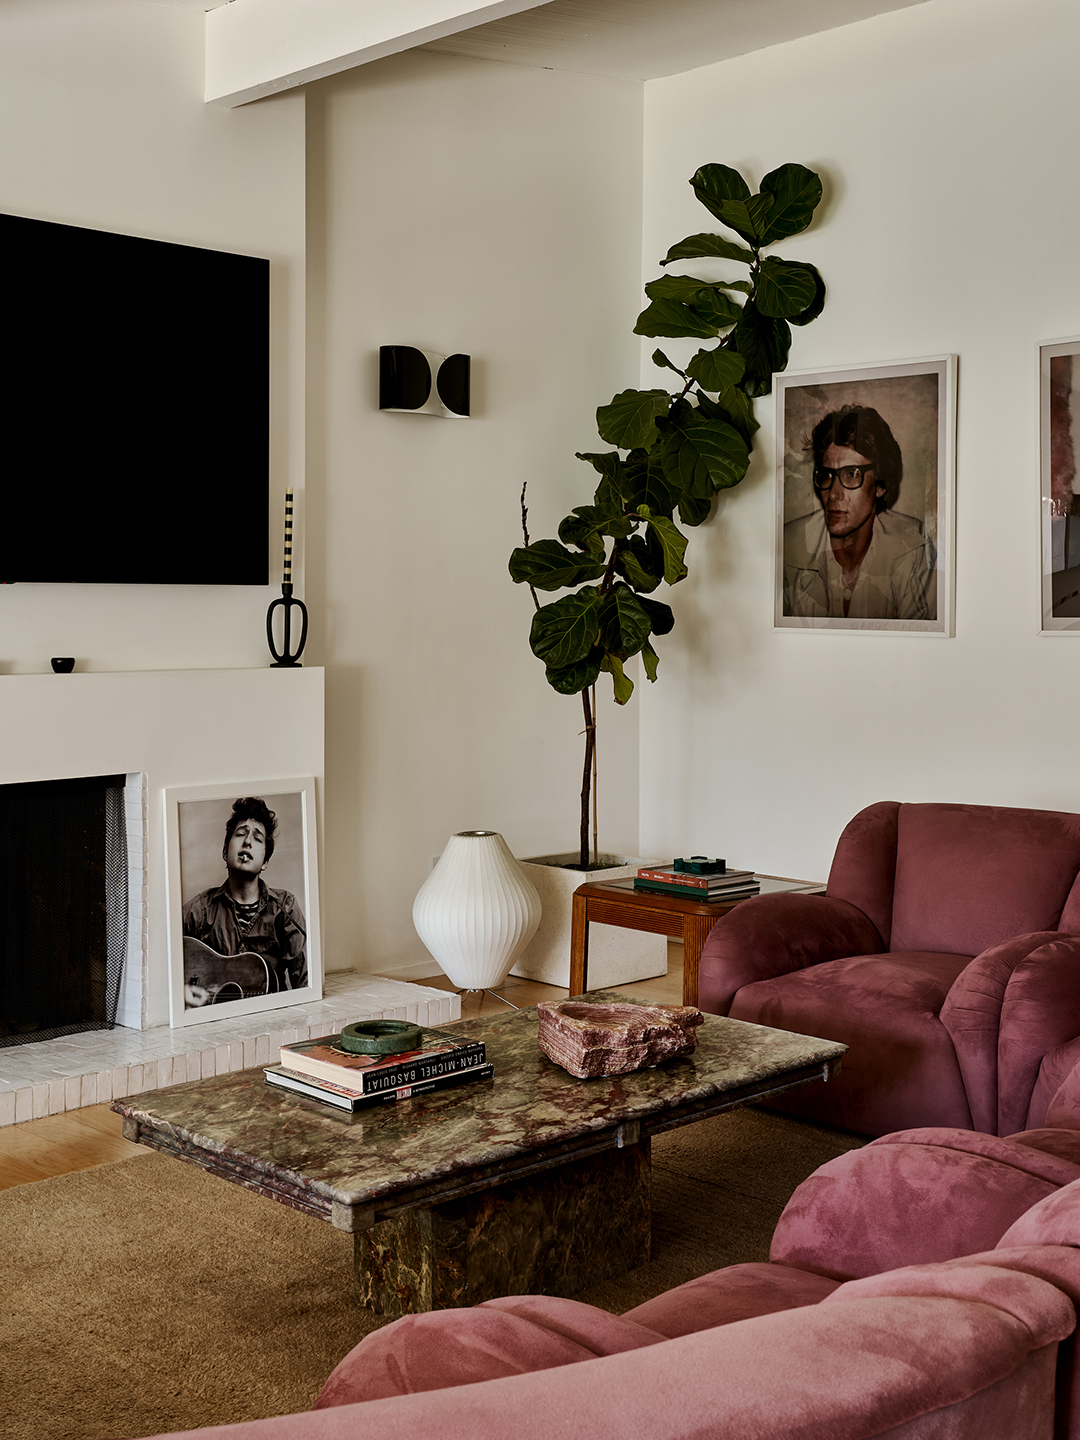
(380,1037)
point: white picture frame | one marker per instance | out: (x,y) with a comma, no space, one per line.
(1059,483)
(911,587)
(196,820)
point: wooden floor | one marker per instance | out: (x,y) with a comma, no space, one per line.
(79,1139)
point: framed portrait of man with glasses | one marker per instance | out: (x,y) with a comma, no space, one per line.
(865,489)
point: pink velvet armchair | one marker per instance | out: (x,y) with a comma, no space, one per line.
(971,1338)
(945,954)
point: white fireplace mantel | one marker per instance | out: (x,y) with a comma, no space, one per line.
(177,727)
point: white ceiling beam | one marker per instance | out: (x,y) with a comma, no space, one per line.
(259,47)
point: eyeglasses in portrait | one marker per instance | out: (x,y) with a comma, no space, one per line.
(865,468)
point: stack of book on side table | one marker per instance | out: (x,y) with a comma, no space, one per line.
(322,1070)
(697,879)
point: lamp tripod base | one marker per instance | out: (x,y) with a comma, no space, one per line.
(483,990)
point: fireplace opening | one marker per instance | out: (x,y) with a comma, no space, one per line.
(63,906)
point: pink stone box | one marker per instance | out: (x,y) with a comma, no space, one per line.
(589,1040)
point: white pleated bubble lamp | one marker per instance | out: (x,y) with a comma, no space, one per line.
(477,910)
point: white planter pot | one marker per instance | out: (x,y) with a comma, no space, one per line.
(616,956)
(476,910)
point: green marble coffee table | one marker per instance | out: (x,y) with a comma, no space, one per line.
(532,1182)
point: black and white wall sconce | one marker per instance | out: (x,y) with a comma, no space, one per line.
(422,382)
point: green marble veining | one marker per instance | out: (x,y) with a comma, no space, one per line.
(553,1234)
(530,1107)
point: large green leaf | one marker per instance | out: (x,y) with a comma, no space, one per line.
(588,525)
(783,289)
(661,616)
(630,420)
(725,193)
(550,566)
(608,464)
(575,678)
(672,543)
(733,405)
(717,185)
(565,631)
(795,193)
(689,290)
(671,319)
(698,247)
(814,309)
(662,362)
(693,512)
(624,622)
(763,343)
(650,660)
(683,288)
(623,685)
(643,483)
(716,308)
(600,519)
(635,561)
(716,369)
(702,456)
(739,409)
(575,531)
(606,496)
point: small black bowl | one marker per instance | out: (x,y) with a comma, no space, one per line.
(63,664)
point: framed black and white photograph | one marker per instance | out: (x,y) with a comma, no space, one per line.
(242,898)
(865,497)
(1059,445)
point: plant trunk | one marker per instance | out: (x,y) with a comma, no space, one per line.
(595,824)
(586,779)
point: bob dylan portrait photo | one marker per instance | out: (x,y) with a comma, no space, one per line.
(241,873)
(860,499)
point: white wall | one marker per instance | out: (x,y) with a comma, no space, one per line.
(103,124)
(946,138)
(457,205)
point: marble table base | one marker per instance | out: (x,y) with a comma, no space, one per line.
(553,1233)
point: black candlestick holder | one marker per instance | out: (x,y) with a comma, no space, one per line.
(286,657)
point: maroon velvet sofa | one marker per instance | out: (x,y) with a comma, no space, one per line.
(945,954)
(924,1286)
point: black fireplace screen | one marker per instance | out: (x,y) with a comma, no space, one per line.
(63,906)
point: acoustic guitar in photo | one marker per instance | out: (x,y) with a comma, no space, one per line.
(211,979)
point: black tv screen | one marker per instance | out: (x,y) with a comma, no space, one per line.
(134,409)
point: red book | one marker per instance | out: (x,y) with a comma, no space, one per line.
(670,876)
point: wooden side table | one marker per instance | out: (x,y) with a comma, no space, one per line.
(616,902)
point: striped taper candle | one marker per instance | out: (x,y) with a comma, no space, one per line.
(286,575)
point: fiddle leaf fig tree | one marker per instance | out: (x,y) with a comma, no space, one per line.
(673,451)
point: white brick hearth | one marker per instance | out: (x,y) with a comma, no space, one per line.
(50,1076)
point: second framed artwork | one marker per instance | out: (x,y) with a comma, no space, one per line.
(1059,444)
(866,497)
(242,898)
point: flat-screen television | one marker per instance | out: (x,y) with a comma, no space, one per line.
(134,409)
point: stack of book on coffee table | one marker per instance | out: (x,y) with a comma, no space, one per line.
(322,1070)
(697,879)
